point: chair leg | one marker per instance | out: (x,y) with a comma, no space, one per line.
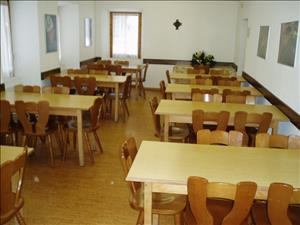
(59,141)
(155,219)
(126,107)
(20,219)
(98,141)
(86,135)
(140,219)
(178,219)
(50,150)
(66,145)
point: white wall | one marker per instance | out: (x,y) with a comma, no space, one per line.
(283,81)
(209,26)
(86,9)
(26,43)
(69,36)
(50,60)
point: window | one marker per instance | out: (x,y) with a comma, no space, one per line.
(6,47)
(87,32)
(125,34)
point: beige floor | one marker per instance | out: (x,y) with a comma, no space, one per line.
(95,193)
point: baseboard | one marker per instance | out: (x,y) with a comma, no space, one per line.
(48,73)
(289,112)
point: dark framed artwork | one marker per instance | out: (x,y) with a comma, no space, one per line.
(288,43)
(263,41)
(51,33)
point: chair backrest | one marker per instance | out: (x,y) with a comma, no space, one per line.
(18,88)
(216,78)
(126,87)
(228,91)
(216,71)
(205,91)
(57,81)
(95,112)
(105,62)
(31,89)
(220,137)
(204,81)
(95,67)
(205,97)
(114,69)
(85,85)
(145,72)
(56,90)
(162,87)
(121,62)
(26,112)
(156,118)
(199,117)
(128,153)
(5,116)
(168,76)
(203,69)
(199,190)
(195,71)
(277,141)
(98,72)
(11,200)
(228,82)
(279,197)
(239,99)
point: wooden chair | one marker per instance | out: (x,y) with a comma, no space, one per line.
(141,84)
(5,124)
(85,85)
(218,119)
(77,71)
(241,119)
(90,125)
(105,62)
(34,120)
(276,210)
(162,87)
(28,88)
(238,99)
(211,203)
(203,69)
(56,90)
(168,76)
(216,71)
(176,134)
(204,81)
(266,140)
(219,137)
(216,79)
(227,82)
(11,198)
(114,69)
(123,96)
(162,203)
(62,81)
(231,92)
(121,62)
(95,67)
(195,71)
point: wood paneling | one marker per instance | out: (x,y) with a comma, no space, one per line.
(289,112)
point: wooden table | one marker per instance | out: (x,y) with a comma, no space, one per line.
(183,91)
(165,167)
(11,152)
(181,112)
(106,81)
(62,105)
(190,78)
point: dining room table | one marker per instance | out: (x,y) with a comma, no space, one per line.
(164,167)
(107,81)
(60,105)
(184,91)
(180,111)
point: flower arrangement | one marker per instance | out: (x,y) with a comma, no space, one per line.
(200,58)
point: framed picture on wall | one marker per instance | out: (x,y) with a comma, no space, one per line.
(288,43)
(51,33)
(263,41)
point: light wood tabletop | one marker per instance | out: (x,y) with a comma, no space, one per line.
(165,167)
(62,105)
(108,81)
(11,152)
(190,78)
(183,91)
(181,111)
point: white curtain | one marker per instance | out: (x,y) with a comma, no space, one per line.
(125,35)
(6,47)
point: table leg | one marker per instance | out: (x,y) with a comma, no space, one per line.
(166,128)
(79,138)
(147,203)
(117,102)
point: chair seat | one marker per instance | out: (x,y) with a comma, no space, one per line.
(162,203)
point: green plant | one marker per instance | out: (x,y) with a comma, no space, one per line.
(200,58)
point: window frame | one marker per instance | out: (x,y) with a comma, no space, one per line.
(111,30)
